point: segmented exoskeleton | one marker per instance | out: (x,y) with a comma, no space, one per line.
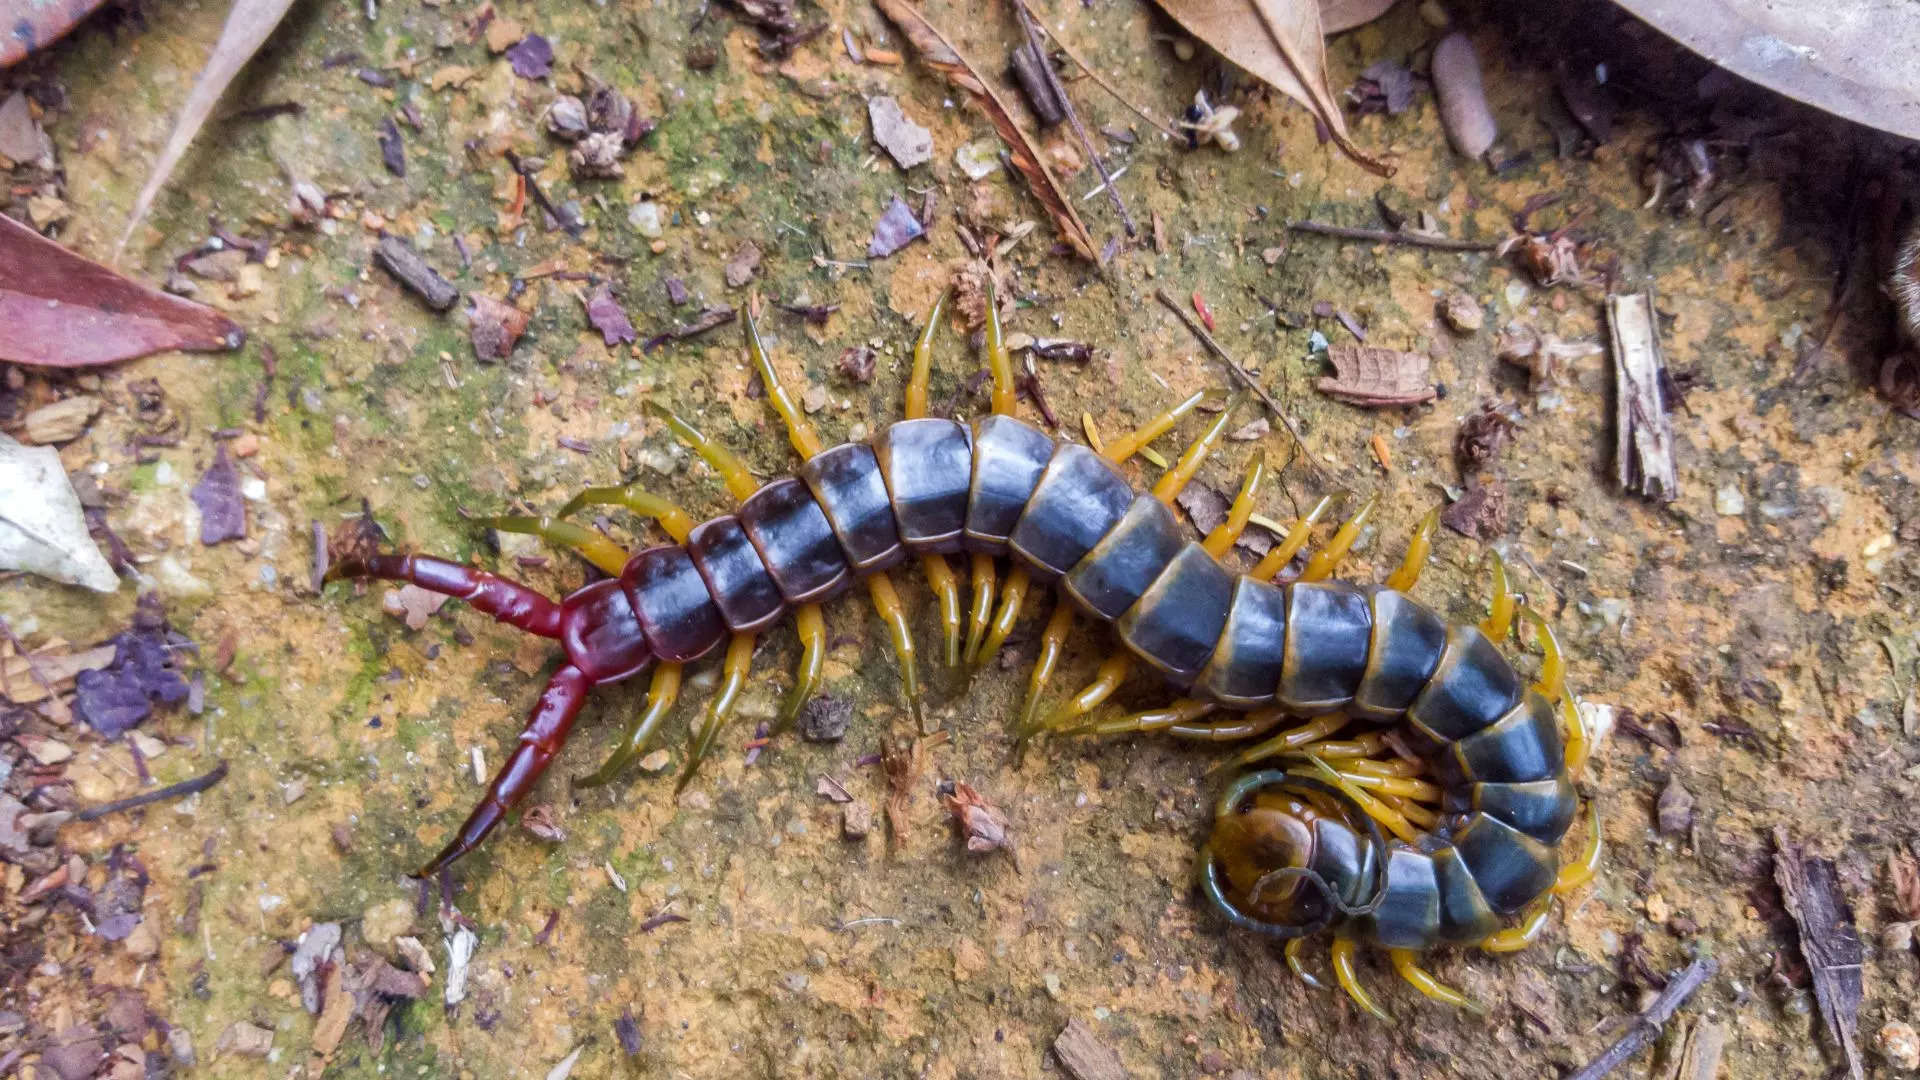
(1475,788)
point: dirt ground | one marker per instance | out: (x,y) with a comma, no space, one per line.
(1753,641)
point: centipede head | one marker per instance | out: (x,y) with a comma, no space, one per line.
(1257,867)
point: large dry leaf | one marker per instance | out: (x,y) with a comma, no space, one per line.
(42,528)
(248,25)
(31,25)
(1283,44)
(62,310)
(1339,16)
(941,55)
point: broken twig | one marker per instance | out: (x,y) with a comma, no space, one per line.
(1810,890)
(1385,236)
(1059,91)
(171,791)
(1647,1025)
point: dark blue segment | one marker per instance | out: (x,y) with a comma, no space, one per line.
(1008,457)
(1409,915)
(671,600)
(846,482)
(1408,641)
(1543,809)
(1246,665)
(1464,914)
(1524,745)
(1329,629)
(1079,497)
(1112,576)
(795,541)
(1176,624)
(742,589)
(928,466)
(1512,868)
(1345,859)
(1473,687)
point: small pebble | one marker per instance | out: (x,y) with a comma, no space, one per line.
(1899,1044)
(383,923)
(1730,501)
(1462,312)
(656,761)
(856,820)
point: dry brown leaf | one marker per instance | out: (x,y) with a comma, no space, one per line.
(1372,376)
(1283,44)
(1338,16)
(248,25)
(940,54)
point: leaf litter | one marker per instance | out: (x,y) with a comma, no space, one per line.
(43,529)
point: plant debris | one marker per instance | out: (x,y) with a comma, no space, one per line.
(494,327)
(1480,513)
(824,718)
(857,363)
(1084,1056)
(43,529)
(1645,1026)
(398,258)
(413,605)
(980,823)
(708,319)
(1810,891)
(1643,449)
(1384,87)
(896,228)
(1482,435)
(223,510)
(531,57)
(393,150)
(906,142)
(120,696)
(743,264)
(1375,377)
(608,317)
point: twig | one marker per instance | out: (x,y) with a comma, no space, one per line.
(1647,1025)
(171,791)
(1384,236)
(1107,86)
(1052,78)
(1240,372)
(573,225)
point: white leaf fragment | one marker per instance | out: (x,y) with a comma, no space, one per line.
(42,528)
(459,954)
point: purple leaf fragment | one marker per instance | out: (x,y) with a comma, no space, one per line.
(896,229)
(608,317)
(531,57)
(223,512)
(393,151)
(116,698)
(117,927)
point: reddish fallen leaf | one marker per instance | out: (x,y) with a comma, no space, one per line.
(63,310)
(1480,514)
(1372,376)
(32,25)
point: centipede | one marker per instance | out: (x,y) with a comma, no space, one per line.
(1401,784)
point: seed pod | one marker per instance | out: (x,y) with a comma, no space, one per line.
(1463,101)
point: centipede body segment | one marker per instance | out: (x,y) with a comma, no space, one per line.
(1475,787)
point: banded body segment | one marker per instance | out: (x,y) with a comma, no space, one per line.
(1329,637)
(1522,746)
(742,589)
(673,606)
(795,541)
(1176,623)
(846,481)
(928,468)
(1405,649)
(1009,457)
(1472,687)
(1244,671)
(1111,577)
(1079,497)
(1542,809)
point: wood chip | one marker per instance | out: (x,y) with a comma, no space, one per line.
(1373,377)
(1084,1056)
(407,267)
(1810,890)
(62,421)
(1643,448)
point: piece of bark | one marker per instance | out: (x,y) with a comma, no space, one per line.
(1643,446)
(1810,890)
(1372,376)
(1700,1054)
(405,264)
(1024,65)
(1084,1056)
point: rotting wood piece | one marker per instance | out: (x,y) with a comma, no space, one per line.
(405,264)
(1810,890)
(1084,1056)
(1643,445)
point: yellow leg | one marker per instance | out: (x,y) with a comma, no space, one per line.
(1282,553)
(1581,870)
(916,405)
(983,582)
(1327,559)
(740,482)
(1169,485)
(1293,738)
(1292,952)
(806,442)
(887,603)
(1419,548)
(1243,727)
(1124,447)
(733,676)
(812,629)
(1012,599)
(1181,712)
(998,361)
(661,694)
(1499,621)
(1552,684)
(1343,972)
(597,549)
(673,520)
(1421,816)
(1401,787)
(1052,640)
(1394,821)
(946,588)
(1522,934)
(1406,964)
(1225,534)
(1113,671)
(1392,767)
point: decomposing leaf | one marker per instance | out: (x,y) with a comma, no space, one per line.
(608,317)
(1338,16)
(30,678)
(940,54)
(43,529)
(21,139)
(1810,890)
(531,57)
(223,511)
(1283,44)
(906,142)
(896,228)
(980,823)
(119,696)
(1373,376)
(412,604)
(494,327)
(1481,513)
(248,25)
(1084,1056)
(62,310)
(742,264)
(36,25)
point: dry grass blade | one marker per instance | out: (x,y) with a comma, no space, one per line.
(247,28)
(941,55)
(1283,44)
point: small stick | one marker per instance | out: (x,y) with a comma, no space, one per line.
(1647,1025)
(171,791)
(567,221)
(1107,86)
(1052,79)
(1240,372)
(1383,236)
